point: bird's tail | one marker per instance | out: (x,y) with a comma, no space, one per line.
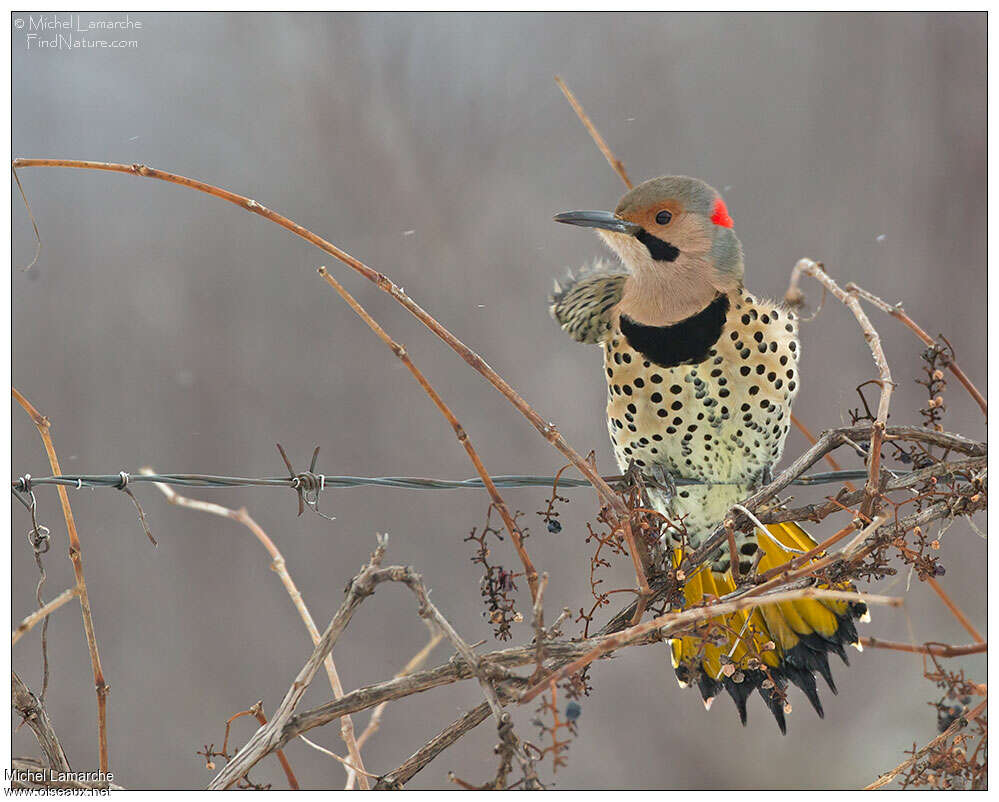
(761,648)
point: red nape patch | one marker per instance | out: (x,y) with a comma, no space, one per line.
(720,217)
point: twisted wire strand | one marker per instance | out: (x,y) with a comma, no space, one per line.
(313,481)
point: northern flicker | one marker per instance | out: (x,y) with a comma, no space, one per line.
(701,375)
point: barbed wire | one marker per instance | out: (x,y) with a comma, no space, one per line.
(314,481)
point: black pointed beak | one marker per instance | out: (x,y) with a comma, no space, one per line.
(604,220)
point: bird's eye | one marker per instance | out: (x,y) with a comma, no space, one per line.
(663,217)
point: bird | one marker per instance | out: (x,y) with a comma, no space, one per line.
(701,375)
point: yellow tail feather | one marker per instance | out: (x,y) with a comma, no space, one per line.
(762,648)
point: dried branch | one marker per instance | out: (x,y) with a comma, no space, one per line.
(76,556)
(935,649)
(397,778)
(280,568)
(42,612)
(33,712)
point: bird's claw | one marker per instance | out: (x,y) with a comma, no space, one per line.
(652,476)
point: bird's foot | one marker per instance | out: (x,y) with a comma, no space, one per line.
(651,476)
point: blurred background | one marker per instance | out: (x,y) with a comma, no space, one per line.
(163,327)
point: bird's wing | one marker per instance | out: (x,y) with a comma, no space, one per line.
(582,304)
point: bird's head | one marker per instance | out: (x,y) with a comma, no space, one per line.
(675,236)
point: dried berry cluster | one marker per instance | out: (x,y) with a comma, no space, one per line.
(497,585)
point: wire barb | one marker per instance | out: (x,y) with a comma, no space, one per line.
(305,483)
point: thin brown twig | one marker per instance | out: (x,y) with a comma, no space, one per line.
(612,160)
(280,568)
(459,431)
(934,649)
(398,777)
(76,556)
(34,225)
(899,313)
(539,628)
(352,771)
(955,610)
(31,620)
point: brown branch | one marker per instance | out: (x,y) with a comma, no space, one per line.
(794,297)
(934,649)
(459,431)
(612,160)
(41,613)
(76,555)
(955,610)
(899,313)
(547,429)
(538,621)
(397,778)
(281,569)
(33,712)
(959,724)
